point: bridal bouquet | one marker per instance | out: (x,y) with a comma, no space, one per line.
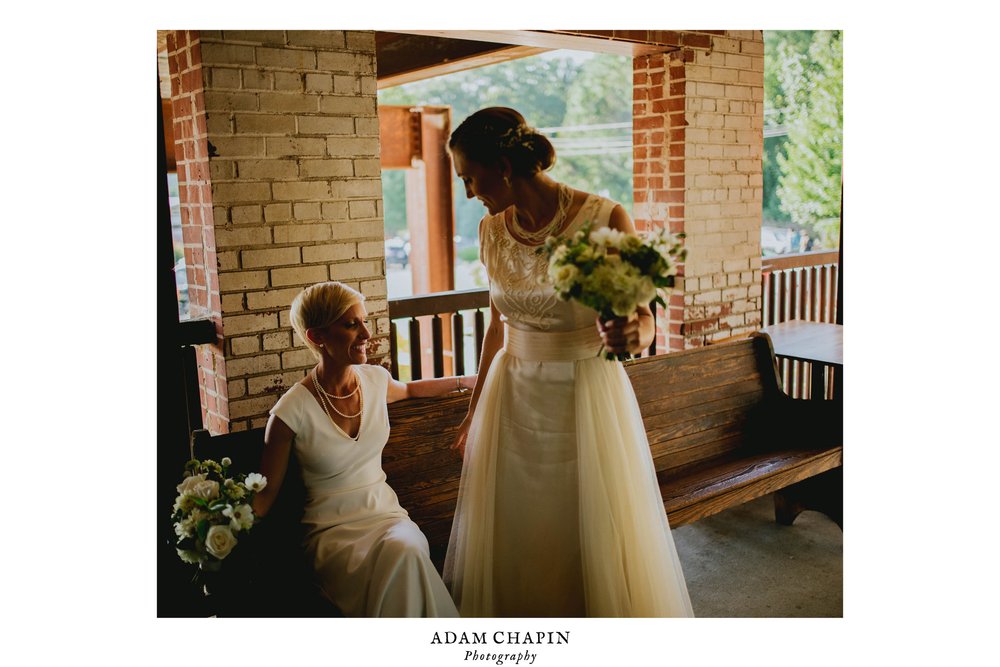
(613,272)
(211,509)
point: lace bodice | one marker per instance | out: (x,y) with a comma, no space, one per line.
(519,284)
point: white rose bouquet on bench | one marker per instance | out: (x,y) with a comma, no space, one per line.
(613,272)
(211,509)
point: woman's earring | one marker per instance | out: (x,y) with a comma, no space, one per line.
(506,180)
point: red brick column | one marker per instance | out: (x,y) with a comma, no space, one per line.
(195,189)
(697,136)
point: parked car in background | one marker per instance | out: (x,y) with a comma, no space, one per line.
(775,240)
(397,252)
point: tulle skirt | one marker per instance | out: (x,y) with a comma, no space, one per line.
(559,511)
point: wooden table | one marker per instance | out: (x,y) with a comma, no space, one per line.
(819,343)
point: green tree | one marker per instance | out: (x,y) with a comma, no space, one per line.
(600,95)
(550,91)
(812,92)
(777,42)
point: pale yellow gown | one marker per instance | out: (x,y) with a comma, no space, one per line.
(559,510)
(370,558)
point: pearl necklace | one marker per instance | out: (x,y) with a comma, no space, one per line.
(328,405)
(357,386)
(538,236)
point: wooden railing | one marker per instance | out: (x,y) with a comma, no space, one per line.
(424,323)
(428,339)
(432,334)
(802,286)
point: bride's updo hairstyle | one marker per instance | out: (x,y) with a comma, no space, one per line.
(496,132)
(321,305)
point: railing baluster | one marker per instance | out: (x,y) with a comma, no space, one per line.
(393,350)
(458,342)
(813,284)
(437,344)
(823,295)
(480,334)
(782,287)
(416,350)
(834,282)
(793,295)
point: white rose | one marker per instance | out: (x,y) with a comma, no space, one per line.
(189,483)
(220,541)
(206,489)
(255,481)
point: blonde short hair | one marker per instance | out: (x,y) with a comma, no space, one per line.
(321,305)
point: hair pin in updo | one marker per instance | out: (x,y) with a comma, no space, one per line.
(517,136)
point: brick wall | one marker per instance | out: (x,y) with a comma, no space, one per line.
(187,91)
(698,141)
(292,134)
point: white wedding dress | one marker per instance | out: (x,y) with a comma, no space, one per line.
(559,511)
(370,558)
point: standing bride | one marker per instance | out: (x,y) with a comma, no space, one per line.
(559,511)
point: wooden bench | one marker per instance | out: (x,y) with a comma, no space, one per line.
(720,430)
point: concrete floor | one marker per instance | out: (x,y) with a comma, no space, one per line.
(740,563)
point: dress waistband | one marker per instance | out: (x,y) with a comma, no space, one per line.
(553,345)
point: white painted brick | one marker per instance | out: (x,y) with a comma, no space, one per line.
(361,40)
(336,211)
(294,146)
(232,303)
(264,124)
(251,406)
(270,257)
(302,233)
(254,79)
(352,146)
(328,168)
(348,105)
(327,39)
(297,358)
(286,58)
(225,100)
(288,82)
(223,77)
(235,325)
(712,296)
(362,209)
(346,85)
(373,289)
(287,102)
(301,275)
(301,190)
(244,345)
(235,147)
(306,211)
(355,270)
(367,167)
(280,168)
(318,83)
(280,212)
(328,253)
(226,54)
(228,261)
(279,340)
(358,230)
(242,236)
(359,63)
(325,125)
(240,281)
(236,389)
(367,249)
(274,384)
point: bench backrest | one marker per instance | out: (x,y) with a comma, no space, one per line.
(704,403)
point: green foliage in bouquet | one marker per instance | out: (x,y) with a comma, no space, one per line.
(612,272)
(212,508)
